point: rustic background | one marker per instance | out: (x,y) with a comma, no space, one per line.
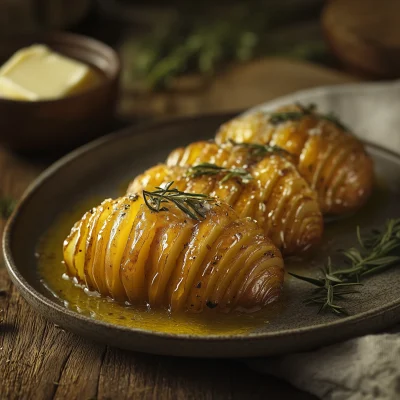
(39,360)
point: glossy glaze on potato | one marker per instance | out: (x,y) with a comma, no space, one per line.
(331,159)
(278,198)
(165,259)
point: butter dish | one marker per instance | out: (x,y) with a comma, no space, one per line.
(57,91)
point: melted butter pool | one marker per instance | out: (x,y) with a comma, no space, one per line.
(51,270)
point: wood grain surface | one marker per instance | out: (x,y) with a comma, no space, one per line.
(40,361)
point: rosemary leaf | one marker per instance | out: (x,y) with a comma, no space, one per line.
(316,282)
(333,278)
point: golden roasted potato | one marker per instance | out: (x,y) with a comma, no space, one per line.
(126,250)
(278,198)
(331,159)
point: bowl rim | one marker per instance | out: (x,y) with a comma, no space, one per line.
(83,41)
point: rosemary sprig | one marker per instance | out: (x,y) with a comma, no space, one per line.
(335,120)
(261,149)
(284,116)
(191,204)
(376,252)
(212,169)
(7,206)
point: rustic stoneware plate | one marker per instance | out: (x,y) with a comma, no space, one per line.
(102,169)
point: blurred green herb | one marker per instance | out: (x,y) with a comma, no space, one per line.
(334,119)
(377,252)
(199,41)
(7,206)
(282,116)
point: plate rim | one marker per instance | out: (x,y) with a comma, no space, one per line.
(31,294)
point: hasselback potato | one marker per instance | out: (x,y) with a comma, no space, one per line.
(331,159)
(277,196)
(130,252)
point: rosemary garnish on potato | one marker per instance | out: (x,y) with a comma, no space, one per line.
(257,149)
(279,117)
(282,116)
(212,169)
(376,252)
(191,204)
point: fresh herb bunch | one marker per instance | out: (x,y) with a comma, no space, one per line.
(259,150)
(212,169)
(279,117)
(193,45)
(200,39)
(191,204)
(7,206)
(376,252)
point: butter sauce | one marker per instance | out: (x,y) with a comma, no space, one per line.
(91,304)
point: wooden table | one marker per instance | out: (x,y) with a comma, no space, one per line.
(40,361)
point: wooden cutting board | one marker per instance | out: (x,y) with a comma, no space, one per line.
(237,87)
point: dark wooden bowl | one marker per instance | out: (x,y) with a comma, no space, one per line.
(56,125)
(365,35)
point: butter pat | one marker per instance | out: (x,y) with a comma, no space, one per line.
(37,73)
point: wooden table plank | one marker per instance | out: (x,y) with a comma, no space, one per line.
(39,360)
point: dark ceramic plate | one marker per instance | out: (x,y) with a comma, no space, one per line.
(95,170)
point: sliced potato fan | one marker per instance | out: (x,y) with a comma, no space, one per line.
(331,159)
(277,197)
(128,251)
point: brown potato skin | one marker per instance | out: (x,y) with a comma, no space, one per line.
(333,161)
(278,198)
(168,260)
